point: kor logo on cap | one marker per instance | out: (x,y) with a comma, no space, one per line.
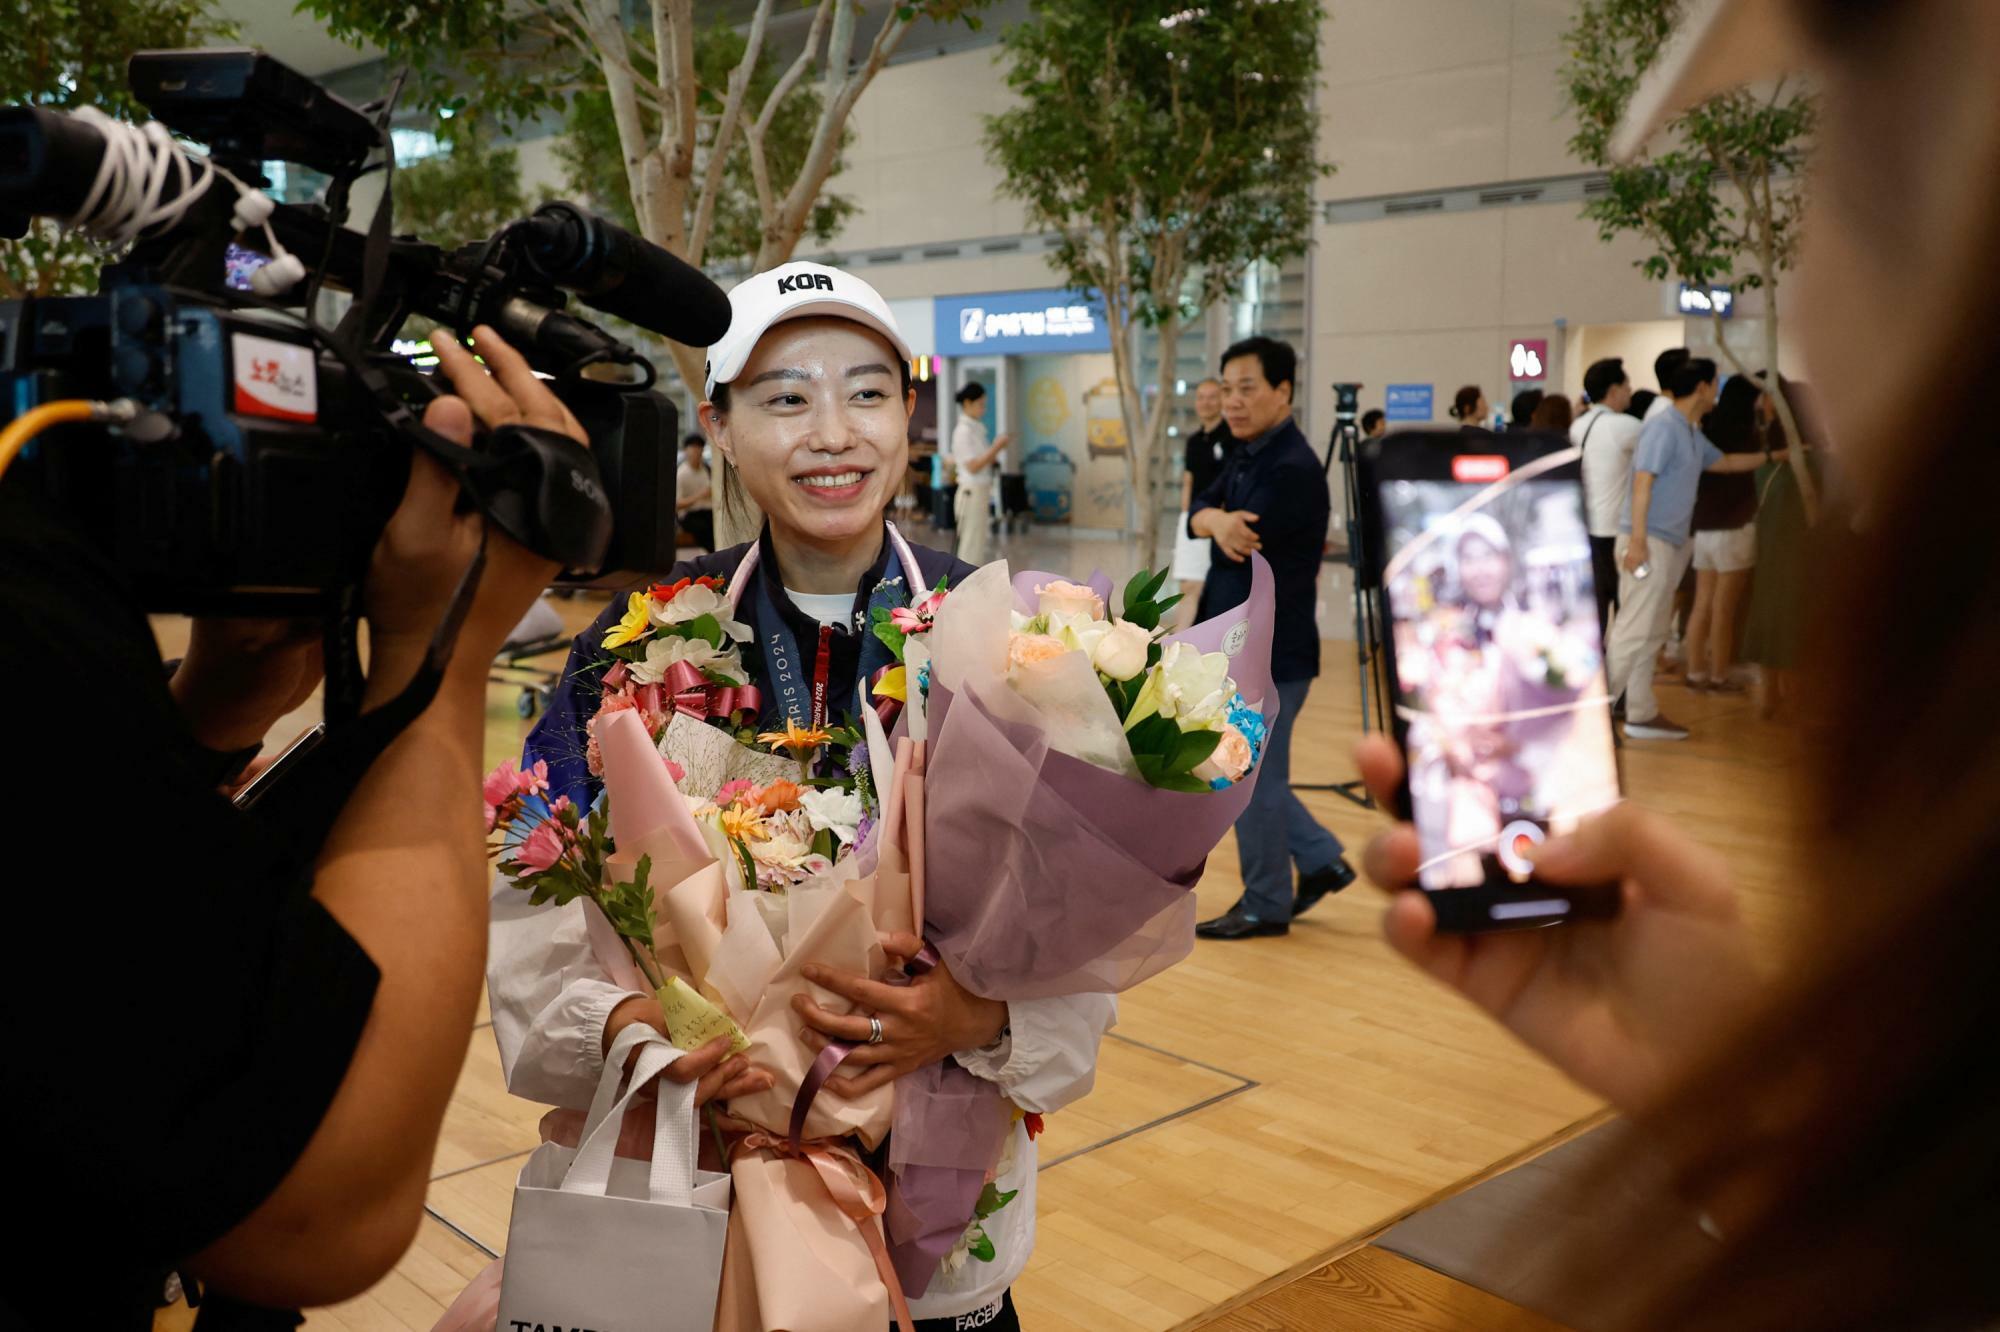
(804,282)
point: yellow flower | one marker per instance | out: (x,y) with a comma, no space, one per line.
(894,684)
(637,623)
(743,823)
(801,740)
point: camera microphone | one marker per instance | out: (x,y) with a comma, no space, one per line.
(612,270)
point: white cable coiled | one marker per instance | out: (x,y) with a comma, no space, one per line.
(130,198)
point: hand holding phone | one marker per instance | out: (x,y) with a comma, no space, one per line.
(1622,1005)
(1495,665)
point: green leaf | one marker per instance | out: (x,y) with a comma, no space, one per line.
(1191,749)
(892,637)
(705,627)
(981,1246)
(992,1200)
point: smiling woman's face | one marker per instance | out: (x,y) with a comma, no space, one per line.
(818,429)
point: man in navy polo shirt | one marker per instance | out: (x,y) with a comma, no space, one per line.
(1271,498)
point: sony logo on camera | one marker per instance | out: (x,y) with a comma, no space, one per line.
(804,282)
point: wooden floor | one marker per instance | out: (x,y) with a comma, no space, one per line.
(1260,1110)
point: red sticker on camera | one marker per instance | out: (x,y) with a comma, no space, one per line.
(275,378)
(1478,467)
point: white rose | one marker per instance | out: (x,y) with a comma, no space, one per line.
(694,601)
(1078,633)
(834,810)
(1121,650)
(663,652)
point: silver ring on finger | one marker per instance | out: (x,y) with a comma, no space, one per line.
(874,1031)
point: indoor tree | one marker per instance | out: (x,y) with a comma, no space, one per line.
(679,129)
(66,55)
(1718,193)
(1169,146)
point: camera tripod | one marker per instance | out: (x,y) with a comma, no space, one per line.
(1368,645)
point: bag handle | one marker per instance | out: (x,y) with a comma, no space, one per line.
(674,1140)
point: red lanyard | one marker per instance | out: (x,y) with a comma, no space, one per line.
(822,667)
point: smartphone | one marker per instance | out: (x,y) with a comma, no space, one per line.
(264,782)
(1479,552)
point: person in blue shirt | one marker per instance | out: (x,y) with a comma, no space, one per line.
(1653,547)
(1271,498)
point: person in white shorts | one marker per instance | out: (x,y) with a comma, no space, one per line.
(1725,537)
(1207,448)
(1654,545)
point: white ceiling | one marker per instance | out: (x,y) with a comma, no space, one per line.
(298,40)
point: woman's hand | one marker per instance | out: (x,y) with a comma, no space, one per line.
(716,1074)
(1623,1006)
(931,1018)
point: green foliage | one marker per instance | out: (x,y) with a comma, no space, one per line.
(70,54)
(1141,602)
(593,161)
(1167,756)
(465,193)
(1183,136)
(629,906)
(1719,194)
(991,1200)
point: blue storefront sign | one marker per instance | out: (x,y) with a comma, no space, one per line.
(1012,323)
(1408,402)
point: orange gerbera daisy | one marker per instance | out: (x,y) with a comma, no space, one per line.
(801,740)
(779,797)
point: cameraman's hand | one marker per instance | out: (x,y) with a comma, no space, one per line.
(1627,1006)
(428,543)
(240,676)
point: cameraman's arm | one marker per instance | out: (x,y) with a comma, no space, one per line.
(404,873)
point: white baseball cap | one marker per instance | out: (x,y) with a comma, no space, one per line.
(794,291)
(1719,45)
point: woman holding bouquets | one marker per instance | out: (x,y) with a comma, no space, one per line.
(808,400)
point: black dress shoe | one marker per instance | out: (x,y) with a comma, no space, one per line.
(1233,924)
(1319,883)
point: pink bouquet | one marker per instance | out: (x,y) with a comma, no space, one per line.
(1077,771)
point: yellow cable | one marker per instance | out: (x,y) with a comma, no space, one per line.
(37,419)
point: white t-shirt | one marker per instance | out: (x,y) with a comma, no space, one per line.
(692,481)
(829,608)
(968,444)
(1607,439)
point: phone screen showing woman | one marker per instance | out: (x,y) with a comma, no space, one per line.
(1498,664)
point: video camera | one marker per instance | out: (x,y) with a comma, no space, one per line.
(255,454)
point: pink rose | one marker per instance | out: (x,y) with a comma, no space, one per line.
(730,792)
(1066,598)
(543,847)
(1229,760)
(1027,649)
(674,770)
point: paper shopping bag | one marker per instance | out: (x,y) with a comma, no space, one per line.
(601,1241)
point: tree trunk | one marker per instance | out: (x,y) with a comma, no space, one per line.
(1775,385)
(1152,437)
(1124,373)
